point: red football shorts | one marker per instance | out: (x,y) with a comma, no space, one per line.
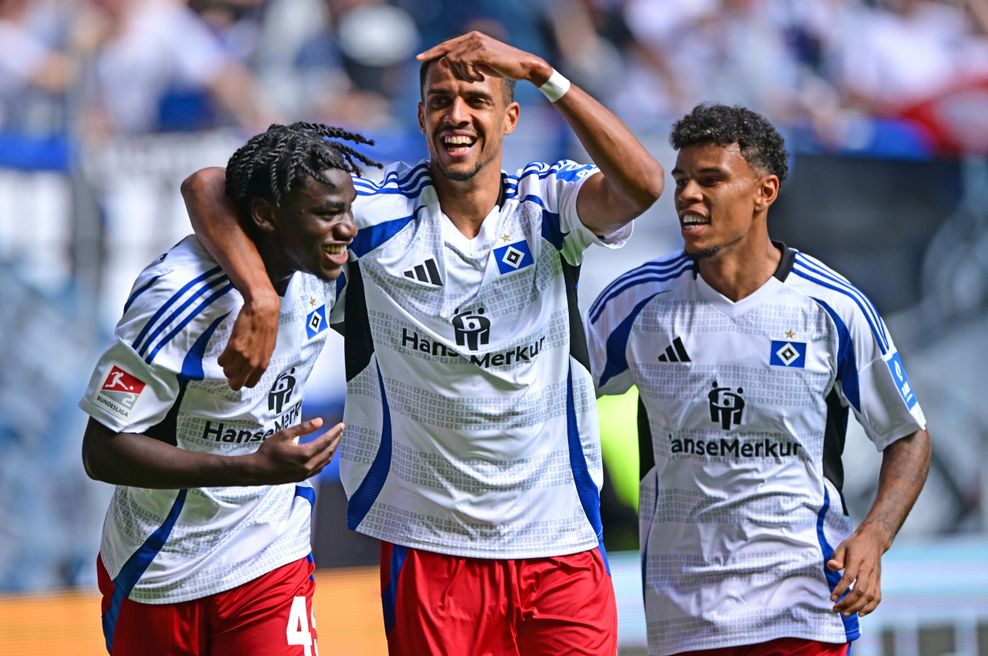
(439,604)
(270,615)
(780,647)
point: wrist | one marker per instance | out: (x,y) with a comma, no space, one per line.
(555,87)
(263,299)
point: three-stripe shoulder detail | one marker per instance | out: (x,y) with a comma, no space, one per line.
(409,185)
(179,310)
(820,274)
(656,271)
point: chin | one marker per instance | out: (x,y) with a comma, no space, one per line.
(327,274)
(460,175)
(702,253)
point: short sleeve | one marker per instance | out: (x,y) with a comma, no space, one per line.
(609,329)
(871,377)
(126,394)
(557,189)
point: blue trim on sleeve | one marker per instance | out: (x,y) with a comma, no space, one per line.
(847,368)
(192,315)
(805,268)
(371,237)
(661,271)
(192,365)
(137,292)
(171,301)
(392,184)
(552,229)
(362,500)
(617,344)
(135,567)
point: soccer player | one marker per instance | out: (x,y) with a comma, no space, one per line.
(472,448)
(205,547)
(747,355)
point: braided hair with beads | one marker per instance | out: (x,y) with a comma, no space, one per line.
(274,163)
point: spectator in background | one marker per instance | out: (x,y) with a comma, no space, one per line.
(31,68)
(900,60)
(236,23)
(716,49)
(143,49)
(358,63)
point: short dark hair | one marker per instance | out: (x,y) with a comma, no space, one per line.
(274,163)
(507,83)
(760,143)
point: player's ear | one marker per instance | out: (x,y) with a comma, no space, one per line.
(766,192)
(421,118)
(262,215)
(511,114)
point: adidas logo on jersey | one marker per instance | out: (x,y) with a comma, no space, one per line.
(675,352)
(426,272)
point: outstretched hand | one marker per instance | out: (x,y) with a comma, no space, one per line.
(280,459)
(473,55)
(251,343)
(860,556)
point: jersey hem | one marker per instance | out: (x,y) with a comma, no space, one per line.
(452,550)
(234,583)
(721,644)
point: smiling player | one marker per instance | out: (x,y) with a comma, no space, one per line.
(473,451)
(748,356)
(206,541)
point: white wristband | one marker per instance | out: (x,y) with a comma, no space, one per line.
(555,87)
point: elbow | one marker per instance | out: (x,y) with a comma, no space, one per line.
(646,192)
(91,463)
(653,188)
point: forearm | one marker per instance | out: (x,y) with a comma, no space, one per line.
(214,220)
(905,464)
(632,179)
(141,461)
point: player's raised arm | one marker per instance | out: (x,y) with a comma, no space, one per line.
(138,460)
(217,227)
(632,179)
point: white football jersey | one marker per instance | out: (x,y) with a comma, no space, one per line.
(471,421)
(160,377)
(746,412)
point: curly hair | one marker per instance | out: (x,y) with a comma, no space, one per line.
(274,163)
(761,145)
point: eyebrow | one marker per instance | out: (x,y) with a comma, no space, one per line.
(707,170)
(331,205)
(470,94)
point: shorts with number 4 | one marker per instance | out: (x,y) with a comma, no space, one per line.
(270,615)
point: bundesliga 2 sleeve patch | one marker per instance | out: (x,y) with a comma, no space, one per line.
(120,392)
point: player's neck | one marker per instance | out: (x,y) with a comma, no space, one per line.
(466,203)
(741,270)
(276,264)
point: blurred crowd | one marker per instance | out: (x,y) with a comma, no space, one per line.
(896,74)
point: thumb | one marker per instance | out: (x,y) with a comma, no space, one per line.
(836,561)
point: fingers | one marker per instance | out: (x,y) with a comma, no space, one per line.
(239,370)
(864,596)
(324,448)
(859,588)
(304,428)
